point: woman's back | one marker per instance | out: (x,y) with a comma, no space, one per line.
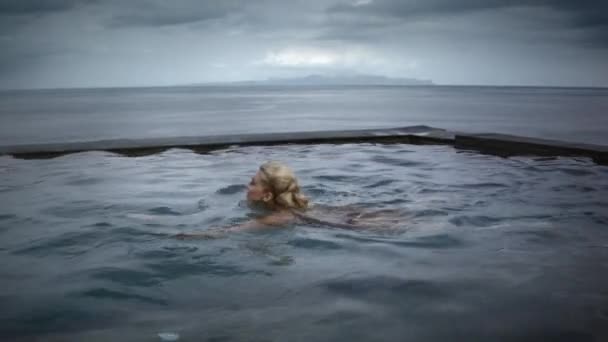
(352,217)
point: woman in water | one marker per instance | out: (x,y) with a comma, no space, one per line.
(275,191)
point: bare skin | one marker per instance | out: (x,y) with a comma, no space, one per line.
(272,221)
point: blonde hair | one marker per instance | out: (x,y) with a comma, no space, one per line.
(284,186)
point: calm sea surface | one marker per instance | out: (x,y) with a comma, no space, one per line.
(579,115)
(491,249)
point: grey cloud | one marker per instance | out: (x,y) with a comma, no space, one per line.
(167,13)
(261,16)
(586,15)
(407,9)
(589,12)
(166,19)
(135,13)
(27,7)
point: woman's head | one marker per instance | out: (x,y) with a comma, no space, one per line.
(276,186)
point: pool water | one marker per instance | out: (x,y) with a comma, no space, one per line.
(492,249)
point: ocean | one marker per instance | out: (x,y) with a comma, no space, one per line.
(73,115)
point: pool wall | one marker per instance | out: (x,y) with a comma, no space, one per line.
(489,143)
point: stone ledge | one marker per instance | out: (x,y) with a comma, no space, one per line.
(490,143)
(510,145)
(136,147)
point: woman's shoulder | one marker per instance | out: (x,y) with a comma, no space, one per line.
(276,218)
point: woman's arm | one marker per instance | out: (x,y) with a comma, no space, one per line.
(272,221)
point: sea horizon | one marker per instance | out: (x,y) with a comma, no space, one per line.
(239,84)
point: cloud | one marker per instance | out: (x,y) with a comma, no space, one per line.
(133,13)
(405,9)
(295,57)
(320,57)
(589,12)
(590,17)
(27,7)
(155,13)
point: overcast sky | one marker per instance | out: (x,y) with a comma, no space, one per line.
(74,43)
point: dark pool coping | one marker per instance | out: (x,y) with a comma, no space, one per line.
(497,144)
(135,147)
(510,145)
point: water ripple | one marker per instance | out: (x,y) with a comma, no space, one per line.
(164,211)
(232,189)
(309,243)
(71,244)
(476,221)
(386,289)
(125,276)
(431,241)
(380,183)
(6,217)
(397,162)
(105,294)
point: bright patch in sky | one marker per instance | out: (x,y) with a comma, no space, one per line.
(320,57)
(301,57)
(362,2)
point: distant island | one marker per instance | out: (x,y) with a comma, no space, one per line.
(332,80)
